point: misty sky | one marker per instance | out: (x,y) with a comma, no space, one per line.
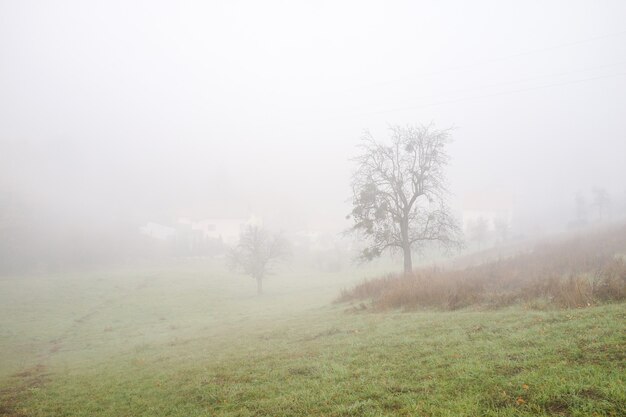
(229,108)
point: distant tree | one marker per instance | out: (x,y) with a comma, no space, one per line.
(581,209)
(19,245)
(602,201)
(478,230)
(399,193)
(502,227)
(258,250)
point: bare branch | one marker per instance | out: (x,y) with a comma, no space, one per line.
(257,251)
(398,191)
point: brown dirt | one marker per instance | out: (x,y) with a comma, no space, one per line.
(19,386)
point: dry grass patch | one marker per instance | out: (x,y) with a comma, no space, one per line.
(578,271)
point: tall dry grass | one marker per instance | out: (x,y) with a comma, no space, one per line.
(577,271)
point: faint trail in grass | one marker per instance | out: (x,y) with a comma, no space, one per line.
(57,342)
(22,383)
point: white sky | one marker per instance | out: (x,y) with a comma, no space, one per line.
(227,108)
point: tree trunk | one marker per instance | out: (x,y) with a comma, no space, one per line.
(406,244)
(259,285)
(408,262)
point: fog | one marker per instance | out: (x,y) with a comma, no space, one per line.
(325,208)
(117,114)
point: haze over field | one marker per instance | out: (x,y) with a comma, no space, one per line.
(198,200)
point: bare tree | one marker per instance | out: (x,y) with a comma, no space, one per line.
(502,227)
(602,201)
(398,192)
(581,208)
(258,250)
(479,231)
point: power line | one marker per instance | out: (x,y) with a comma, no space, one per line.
(496,59)
(528,79)
(497,94)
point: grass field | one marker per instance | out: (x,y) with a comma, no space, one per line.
(191,339)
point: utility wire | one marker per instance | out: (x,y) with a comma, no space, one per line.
(497,94)
(492,60)
(529,79)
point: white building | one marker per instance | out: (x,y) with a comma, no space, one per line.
(227,230)
(158,231)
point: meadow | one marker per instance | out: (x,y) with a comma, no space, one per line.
(191,338)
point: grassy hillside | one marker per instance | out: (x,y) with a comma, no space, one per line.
(194,340)
(577,270)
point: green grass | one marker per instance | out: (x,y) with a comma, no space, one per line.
(193,340)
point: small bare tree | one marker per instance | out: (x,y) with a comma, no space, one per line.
(581,208)
(502,227)
(258,250)
(602,200)
(479,230)
(399,194)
